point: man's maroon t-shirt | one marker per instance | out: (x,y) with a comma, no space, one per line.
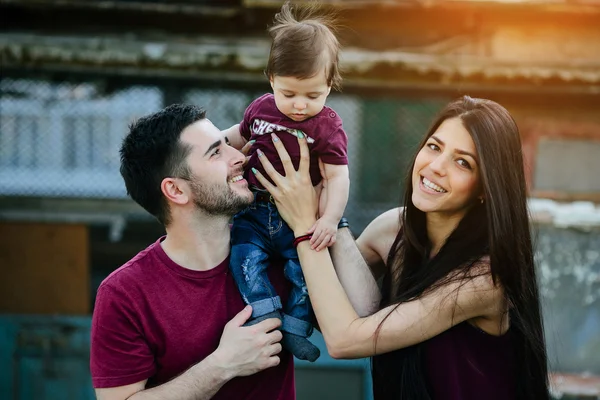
(325,135)
(154,319)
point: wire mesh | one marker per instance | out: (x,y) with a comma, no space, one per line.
(61,139)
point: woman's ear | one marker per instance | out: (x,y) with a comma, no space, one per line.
(175,190)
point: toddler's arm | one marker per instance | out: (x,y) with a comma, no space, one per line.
(234,137)
(336,187)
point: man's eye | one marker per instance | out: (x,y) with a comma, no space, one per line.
(217,152)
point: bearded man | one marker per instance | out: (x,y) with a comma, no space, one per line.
(169,324)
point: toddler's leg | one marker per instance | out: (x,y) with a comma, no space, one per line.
(248,264)
(296,326)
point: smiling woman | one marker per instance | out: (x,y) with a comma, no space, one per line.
(446,175)
(460,314)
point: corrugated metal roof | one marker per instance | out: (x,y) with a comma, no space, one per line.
(469,66)
(566,4)
(248,55)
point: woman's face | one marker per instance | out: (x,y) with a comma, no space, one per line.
(446,176)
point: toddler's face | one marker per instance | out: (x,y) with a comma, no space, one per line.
(300,99)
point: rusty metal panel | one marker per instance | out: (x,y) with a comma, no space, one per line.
(45,358)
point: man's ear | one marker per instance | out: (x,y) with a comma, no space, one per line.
(175,190)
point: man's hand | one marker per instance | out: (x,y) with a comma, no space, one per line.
(246,350)
(323,233)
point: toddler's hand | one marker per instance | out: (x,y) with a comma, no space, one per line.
(323,233)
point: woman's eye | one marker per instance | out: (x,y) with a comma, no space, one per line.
(463,163)
(217,152)
(433,146)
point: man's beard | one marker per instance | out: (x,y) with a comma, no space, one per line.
(216,199)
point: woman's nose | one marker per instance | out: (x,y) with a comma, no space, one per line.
(438,165)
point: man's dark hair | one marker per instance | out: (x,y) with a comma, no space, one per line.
(152,151)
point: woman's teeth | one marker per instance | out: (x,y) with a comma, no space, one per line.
(433,186)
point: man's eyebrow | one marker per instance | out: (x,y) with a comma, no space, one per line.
(459,151)
(212,146)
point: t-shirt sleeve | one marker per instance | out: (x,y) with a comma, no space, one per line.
(247,120)
(332,145)
(119,352)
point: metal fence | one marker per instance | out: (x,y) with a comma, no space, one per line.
(61,139)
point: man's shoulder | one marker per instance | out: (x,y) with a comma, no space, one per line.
(130,273)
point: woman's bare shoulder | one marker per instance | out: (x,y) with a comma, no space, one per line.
(377,238)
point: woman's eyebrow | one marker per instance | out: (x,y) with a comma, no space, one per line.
(459,151)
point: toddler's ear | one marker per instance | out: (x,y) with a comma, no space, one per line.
(328,90)
(271,82)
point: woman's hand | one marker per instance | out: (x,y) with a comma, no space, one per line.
(245,150)
(294,194)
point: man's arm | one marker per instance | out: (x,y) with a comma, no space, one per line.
(359,264)
(242,351)
(354,274)
(200,382)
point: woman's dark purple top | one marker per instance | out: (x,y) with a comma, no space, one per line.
(465,363)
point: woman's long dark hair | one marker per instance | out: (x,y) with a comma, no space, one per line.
(499,228)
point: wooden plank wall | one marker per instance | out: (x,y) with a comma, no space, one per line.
(44,268)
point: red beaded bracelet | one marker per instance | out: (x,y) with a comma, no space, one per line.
(302,239)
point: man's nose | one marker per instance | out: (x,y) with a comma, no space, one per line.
(237,156)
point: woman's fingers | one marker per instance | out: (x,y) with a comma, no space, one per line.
(245,150)
(264,181)
(284,156)
(269,169)
(304,155)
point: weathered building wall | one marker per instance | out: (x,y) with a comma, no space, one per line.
(568,261)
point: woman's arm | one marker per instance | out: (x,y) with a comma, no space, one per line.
(347,335)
